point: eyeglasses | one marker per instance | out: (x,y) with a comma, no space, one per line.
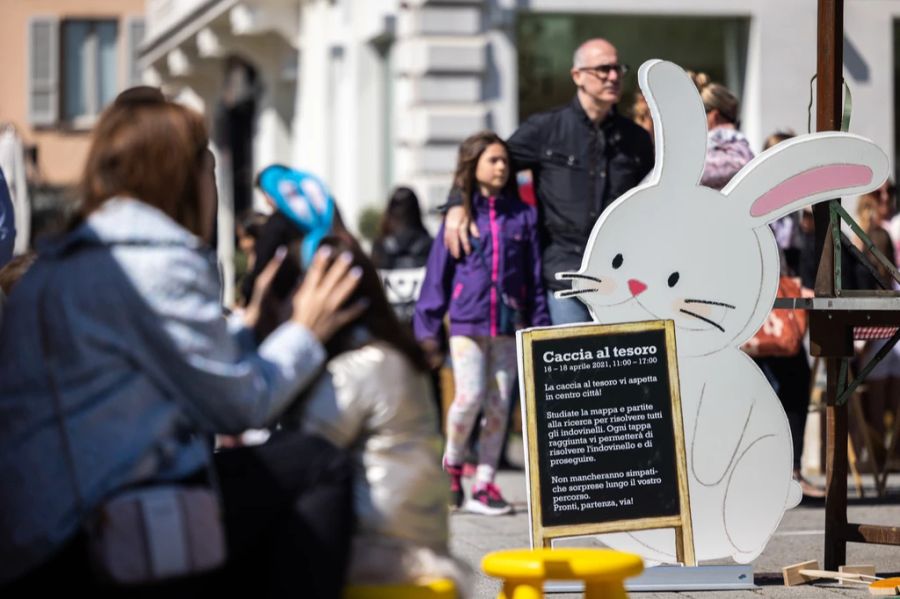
(603,70)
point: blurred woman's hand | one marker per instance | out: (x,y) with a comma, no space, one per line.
(317,302)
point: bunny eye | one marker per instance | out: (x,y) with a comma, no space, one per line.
(673,278)
(617,261)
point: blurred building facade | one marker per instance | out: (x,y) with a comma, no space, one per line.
(63,61)
(374,93)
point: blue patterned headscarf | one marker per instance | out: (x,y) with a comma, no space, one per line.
(304,199)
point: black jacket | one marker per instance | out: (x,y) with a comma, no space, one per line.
(406,249)
(579,168)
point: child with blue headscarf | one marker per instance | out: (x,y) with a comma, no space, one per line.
(281,186)
(373,399)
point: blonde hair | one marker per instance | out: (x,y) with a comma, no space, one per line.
(716,96)
(867,210)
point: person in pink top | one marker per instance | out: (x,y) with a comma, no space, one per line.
(727,150)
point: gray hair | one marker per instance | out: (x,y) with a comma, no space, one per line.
(578,57)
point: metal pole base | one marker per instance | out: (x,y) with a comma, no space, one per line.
(674,578)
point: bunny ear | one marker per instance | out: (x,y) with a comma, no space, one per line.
(805,170)
(679,121)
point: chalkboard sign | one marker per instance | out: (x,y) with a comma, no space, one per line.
(604,431)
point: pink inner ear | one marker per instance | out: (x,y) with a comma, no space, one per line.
(833,177)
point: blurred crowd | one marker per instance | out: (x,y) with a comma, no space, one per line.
(311,410)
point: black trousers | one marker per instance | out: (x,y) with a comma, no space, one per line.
(790,378)
(288,518)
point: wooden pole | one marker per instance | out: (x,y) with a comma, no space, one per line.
(828,118)
(829,63)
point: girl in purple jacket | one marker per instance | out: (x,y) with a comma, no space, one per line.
(489,294)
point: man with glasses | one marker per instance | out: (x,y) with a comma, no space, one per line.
(582,156)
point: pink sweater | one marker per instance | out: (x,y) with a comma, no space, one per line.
(727,151)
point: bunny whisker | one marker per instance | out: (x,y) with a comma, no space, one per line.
(572,275)
(709,302)
(572,292)
(703,318)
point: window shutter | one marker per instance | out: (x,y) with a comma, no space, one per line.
(136,31)
(43,70)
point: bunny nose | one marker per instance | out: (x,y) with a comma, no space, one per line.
(636,287)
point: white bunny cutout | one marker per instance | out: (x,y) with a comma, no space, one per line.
(672,249)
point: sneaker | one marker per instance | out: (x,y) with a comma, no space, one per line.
(809,489)
(457,496)
(487,500)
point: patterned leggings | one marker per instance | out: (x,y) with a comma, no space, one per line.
(484,370)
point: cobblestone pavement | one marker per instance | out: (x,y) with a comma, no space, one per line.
(800,537)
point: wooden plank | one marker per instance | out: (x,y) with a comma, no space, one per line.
(871,533)
(868,570)
(829,67)
(829,61)
(792,576)
(684,533)
(577,530)
(835,473)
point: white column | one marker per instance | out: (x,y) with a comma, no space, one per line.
(225,225)
(313,113)
(869,71)
(441,61)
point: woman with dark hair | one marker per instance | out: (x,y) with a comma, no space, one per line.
(374,398)
(403,241)
(117,366)
(277,231)
(400,252)
(488,295)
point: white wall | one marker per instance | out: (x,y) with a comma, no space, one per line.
(164,14)
(782,57)
(870,30)
(456,71)
(338,130)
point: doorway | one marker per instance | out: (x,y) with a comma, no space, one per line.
(716,46)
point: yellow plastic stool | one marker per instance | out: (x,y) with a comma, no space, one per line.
(524,570)
(439,588)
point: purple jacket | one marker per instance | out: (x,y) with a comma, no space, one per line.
(727,151)
(505,265)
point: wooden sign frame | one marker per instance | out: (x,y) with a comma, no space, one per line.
(543,535)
